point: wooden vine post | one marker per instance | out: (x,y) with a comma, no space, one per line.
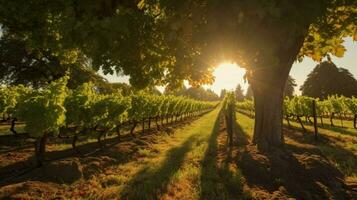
(315,118)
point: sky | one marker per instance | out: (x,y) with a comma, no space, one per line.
(229,75)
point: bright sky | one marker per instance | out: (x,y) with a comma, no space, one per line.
(228,75)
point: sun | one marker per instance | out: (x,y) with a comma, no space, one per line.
(227,76)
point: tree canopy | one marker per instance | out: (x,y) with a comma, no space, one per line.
(166,41)
(39,67)
(289,87)
(326,79)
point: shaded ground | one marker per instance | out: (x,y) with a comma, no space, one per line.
(17,153)
(300,171)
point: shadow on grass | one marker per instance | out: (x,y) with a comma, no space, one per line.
(242,138)
(219,181)
(150,182)
(338,129)
(299,170)
(345,159)
(23,170)
(341,130)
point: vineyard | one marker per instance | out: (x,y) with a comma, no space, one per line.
(178,100)
(56,111)
(299,107)
(107,128)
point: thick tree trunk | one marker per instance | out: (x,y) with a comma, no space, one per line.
(267,77)
(268,84)
(268,117)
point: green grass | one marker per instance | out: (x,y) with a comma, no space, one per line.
(337,122)
(5,129)
(246,124)
(184,167)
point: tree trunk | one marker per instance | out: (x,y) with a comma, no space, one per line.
(355,121)
(133,128)
(143,126)
(268,101)
(302,125)
(40,149)
(309,119)
(74,141)
(156,122)
(162,121)
(149,123)
(287,119)
(331,119)
(322,122)
(117,129)
(12,129)
(99,139)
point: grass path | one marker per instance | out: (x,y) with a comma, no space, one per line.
(182,165)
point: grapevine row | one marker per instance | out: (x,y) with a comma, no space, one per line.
(228,109)
(56,110)
(301,106)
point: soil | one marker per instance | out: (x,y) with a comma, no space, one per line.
(297,171)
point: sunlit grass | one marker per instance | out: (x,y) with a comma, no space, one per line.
(5,129)
(182,165)
(246,123)
(175,167)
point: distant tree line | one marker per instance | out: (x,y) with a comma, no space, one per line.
(198,93)
(327,79)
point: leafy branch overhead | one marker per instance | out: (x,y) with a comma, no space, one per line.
(166,41)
